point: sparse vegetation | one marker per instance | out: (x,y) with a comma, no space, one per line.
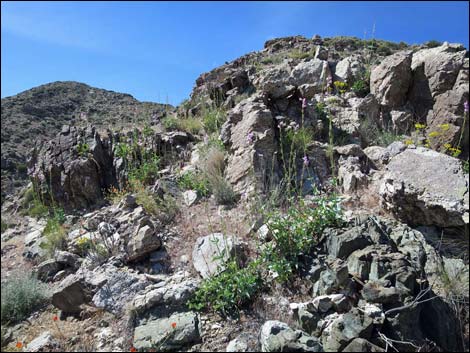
(55,233)
(22,293)
(194,181)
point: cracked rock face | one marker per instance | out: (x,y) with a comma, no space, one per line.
(424,187)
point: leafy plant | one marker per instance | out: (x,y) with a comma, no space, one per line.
(229,290)
(4,226)
(360,88)
(194,181)
(22,293)
(296,232)
(83,149)
(341,87)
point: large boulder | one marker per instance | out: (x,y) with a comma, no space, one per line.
(424,187)
(249,132)
(70,294)
(143,242)
(310,76)
(275,81)
(390,81)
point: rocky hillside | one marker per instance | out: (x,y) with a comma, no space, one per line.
(312,196)
(32,117)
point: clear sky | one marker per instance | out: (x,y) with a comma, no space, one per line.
(155,50)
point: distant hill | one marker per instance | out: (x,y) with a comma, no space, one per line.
(37,115)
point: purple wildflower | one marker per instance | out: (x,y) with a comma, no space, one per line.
(465,107)
(250,137)
(305,160)
(304,102)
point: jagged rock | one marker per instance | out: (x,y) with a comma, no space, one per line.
(313,73)
(307,317)
(345,328)
(47,269)
(341,246)
(172,333)
(375,292)
(332,278)
(424,187)
(75,179)
(43,343)
(378,155)
(118,290)
(350,174)
(350,69)
(144,242)
(321,53)
(402,121)
(70,294)
(441,66)
(67,259)
(275,81)
(211,252)
(362,345)
(170,293)
(249,133)
(276,336)
(390,81)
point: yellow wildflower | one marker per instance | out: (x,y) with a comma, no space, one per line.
(419,126)
(444,127)
(434,134)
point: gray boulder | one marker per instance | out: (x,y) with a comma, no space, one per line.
(276,336)
(173,333)
(424,187)
(390,81)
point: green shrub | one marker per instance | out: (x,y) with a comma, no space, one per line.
(55,233)
(37,209)
(360,88)
(170,122)
(228,291)
(147,171)
(433,43)
(222,190)
(465,166)
(21,295)
(83,149)
(384,49)
(341,87)
(296,232)
(212,119)
(190,124)
(297,54)
(194,181)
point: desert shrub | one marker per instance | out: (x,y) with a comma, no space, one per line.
(384,49)
(170,122)
(22,168)
(194,181)
(360,88)
(147,170)
(297,54)
(341,87)
(229,290)
(165,210)
(212,119)
(222,190)
(37,209)
(192,125)
(296,232)
(22,293)
(433,43)
(55,233)
(212,166)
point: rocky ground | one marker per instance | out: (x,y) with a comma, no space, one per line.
(312,196)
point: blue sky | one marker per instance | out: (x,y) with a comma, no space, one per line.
(156,50)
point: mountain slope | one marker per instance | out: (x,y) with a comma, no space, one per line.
(36,115)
